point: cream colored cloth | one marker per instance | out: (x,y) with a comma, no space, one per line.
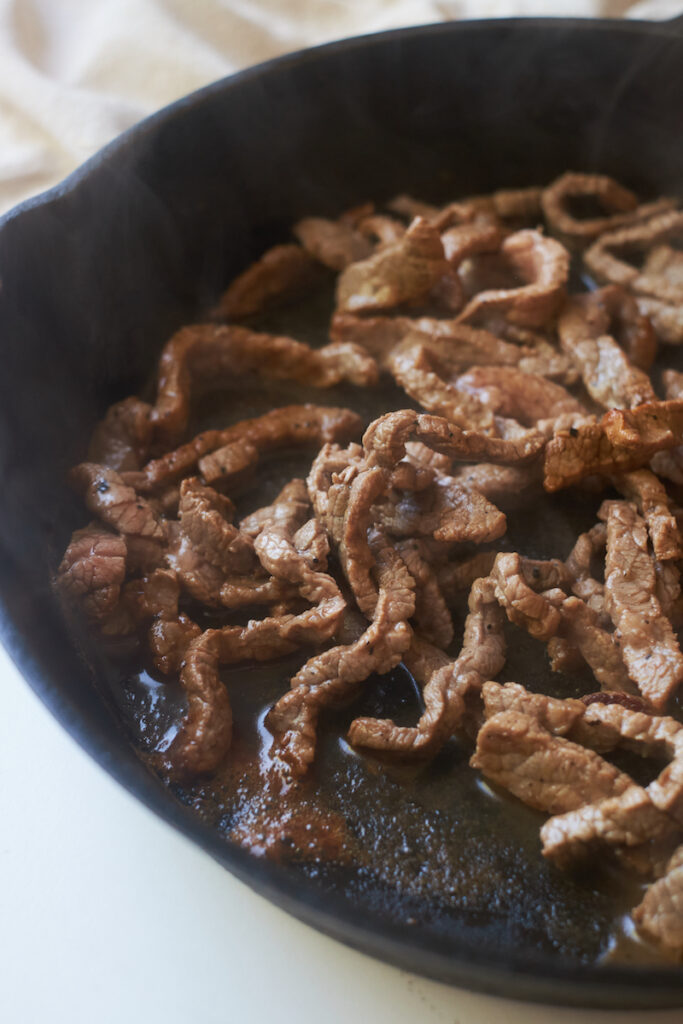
(75,73)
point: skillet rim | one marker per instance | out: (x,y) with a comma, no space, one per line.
(528,976)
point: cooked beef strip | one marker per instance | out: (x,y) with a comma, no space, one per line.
(206,353)
(621,824)
(620,204)
(608,375)
(666,318)
(205,516)
(281,275)
(527,397)
(621,441)
(333,676)
(334,243)
(121,440)
(545,771)
(649,648)
(448,686)
(649,494)
(578,562)
(395,275)
(385,440)
(581,625)
(107,496)
(205,734)
(432,619)
(544,264)
(659,916)
(535,611)
(602,261)
(456,346)
(291,425)
(92,570)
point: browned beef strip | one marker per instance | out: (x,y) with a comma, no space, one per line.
(205,516)
(659,916)
(280,276)
(291,425)
(432,618)
(535,611)
(623,440)
(649,494)
(610,378)
(602,259)
(447,687)
(545,771)
(386,438)
(456,346)
(620,205)
(649,648)
(334,243)
(527,397)
(333,676)
(116,504)
(598,648)
(397,274)
(625,825)
(121,440)
(578,562)
(544,264)
(92,570)
(206,353)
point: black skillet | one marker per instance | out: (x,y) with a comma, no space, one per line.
(98,272)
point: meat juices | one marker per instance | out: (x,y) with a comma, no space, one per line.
(522,383)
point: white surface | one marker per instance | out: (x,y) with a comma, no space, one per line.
(109,916)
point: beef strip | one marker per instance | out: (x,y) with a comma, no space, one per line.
(665,317)
(117,504)
(334,243)
(205,516)
(456,346)
(656,283)
(544,264)
(334,676)
(92,570)
(448,686)
(649,494)
(584,585)
(400,273)
(432,619)
(622,440)
(281,275)
(122,439)
(627,825)
(649,648)
(544,771)
(291,425)
(206,353)
(620,205)
(581,625)
(386,437)
(609,376)
(527,397)
(530,593)
(659,916)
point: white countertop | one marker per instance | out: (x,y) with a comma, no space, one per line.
(108,915)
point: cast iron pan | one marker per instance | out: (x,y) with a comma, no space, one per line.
(97,273)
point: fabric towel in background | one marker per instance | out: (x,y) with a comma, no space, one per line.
(75,73)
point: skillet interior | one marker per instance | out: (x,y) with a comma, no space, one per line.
(97,274)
